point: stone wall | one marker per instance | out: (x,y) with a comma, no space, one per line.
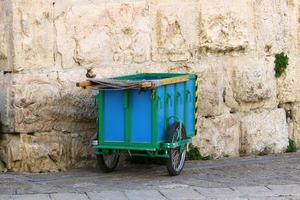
(47,45)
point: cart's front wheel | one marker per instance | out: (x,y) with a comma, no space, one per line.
(176,160)
(108,162)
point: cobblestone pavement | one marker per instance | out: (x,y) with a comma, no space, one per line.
(268,177)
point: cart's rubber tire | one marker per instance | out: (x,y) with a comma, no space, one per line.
(175,169)
(108,163)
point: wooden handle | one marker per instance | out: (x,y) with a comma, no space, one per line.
(84,84)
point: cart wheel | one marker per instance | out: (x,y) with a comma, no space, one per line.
(176,160)
(108,162)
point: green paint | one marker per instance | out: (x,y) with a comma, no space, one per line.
(127,117)
(101,117)
(187,93)
(176,100)
(154,108)
(166,105)
(131,146)
(153,154)
(155,75)
(181,143)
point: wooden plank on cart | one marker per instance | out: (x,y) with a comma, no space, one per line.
(179,79)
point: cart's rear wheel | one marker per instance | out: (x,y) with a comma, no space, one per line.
(108,162)
(176,160)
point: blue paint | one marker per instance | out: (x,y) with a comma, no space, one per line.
(171,103)
(114,116)
(160,92)
(141,116)
(180,101)
(190,128)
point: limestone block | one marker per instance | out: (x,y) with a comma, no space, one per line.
(224,29)
(264,132)
(33,34)
(3,38)
(174,33)
(271,26)
(95,34)
(293,26)
(289,82)
(219,136)
(10,148)
(211,89)
(51,101)
(252,84)
(44,152)
(2,167)
(293,119)
(296,123)
(5,122)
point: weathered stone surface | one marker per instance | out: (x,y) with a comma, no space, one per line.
(289,82)
(181,193)
(293,119)
(46,151)
(252,85)
(211,90)
(270,21)
(3,37)
(65,196)
(296,124)
(264,132)
(223,29)
(174,33)
(95,34)
(33,31)
(144,194)
(51,101)
(2,167)
(293,15)
(219,136)
(5,97)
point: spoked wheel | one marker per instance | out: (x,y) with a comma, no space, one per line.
(108,162)
(176,160)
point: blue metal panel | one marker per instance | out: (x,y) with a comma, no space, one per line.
(170,99)
(180,101)
(114,116)
(191,109)
(141,116)
(160,92)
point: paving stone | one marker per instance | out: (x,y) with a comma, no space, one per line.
(268,198)
(144,195)
(6,197)
(216,192)
(181,194)
(293,198)
(225,198)
(292,189)
(218,175)
(107,195)
(32,197)
(68,196)
(253,191)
